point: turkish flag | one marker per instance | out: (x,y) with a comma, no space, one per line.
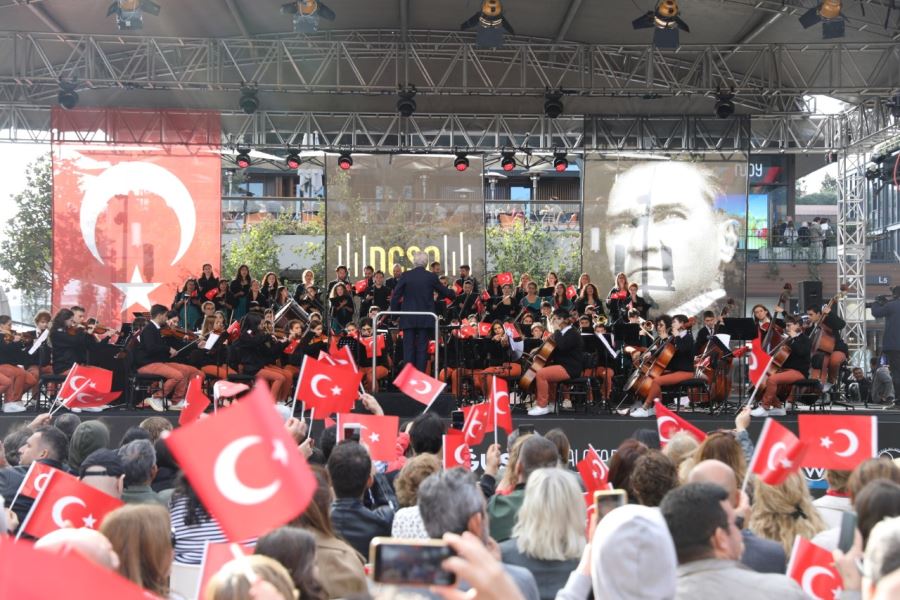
(669,423)
(67,499)
(505,278)
(758,361)
(228,389)
(498,398)
(778,453)
(457,288)
(215,556)
(36,479)
(24,575)
(813,568)
(367,343)
(195,401)
(245,466)
(484,329)
(418,386)
(511,331)
(838,442)
(344,356)
(328,388)
(485,295)
(431,347)
(360,286)
(234,331)
(466,331)
(83,378)
(475,424)
(594,472)
(378,433)
(456,452)
(571,292)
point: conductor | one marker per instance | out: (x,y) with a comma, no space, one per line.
(415,293)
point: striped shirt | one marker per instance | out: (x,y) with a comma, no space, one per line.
(190,540)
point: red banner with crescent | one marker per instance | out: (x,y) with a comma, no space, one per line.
(136,207)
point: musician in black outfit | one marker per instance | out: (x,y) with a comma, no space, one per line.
(465,273)
(711,327)
(464,304)
(839,355)
(795,368)
(505,307)
(679,369)
(70,344)
(566,362)
(377,294)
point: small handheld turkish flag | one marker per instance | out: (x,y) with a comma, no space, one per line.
(67,501)
(778,453)
(87,387)
(838,442)
(36,479)
(505,278)
(195,401)
(668,424)
(571,292)
(484,329)
(475,424)
(327,388)
(418,386)
(594,472)
(377,432)
(245,466)
(234,331)
(228,389)
(369,342)
(456,452)
(485,295)
(343,356)
(813,568)
(215,556)
(360,286)
(210,294)
(499,402)
(759,360)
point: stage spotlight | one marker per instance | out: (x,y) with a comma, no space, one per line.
(666,23)
(68,97)
(307,14)
(560,162)
(462,162)
(508,161)
(553,106)
(829,14)
(406,105)
(293,159)
(724,104)
(491,23)
(345,161)
(242,160)
(249,102)
(130,13)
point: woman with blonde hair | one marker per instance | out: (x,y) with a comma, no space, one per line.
(140,535)
(548,547)
(271,580)
(679,448)
(408,521)
(725,447)
(781,512)
(507,485)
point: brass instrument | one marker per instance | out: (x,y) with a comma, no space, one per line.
(600,320)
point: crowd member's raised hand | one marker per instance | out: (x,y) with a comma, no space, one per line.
(847,564)
(298,429)
(492,460)
(475,565)
(371,404)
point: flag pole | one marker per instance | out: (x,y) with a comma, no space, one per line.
(62,404)
(312,417)
(62,385)
(494,405)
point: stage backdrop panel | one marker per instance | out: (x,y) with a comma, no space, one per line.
(132,221)
(673,226)
(386,208)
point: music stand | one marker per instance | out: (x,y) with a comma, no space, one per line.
(742,329)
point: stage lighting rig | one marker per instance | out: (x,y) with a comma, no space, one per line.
(724,104)
(666,23)
(829,14)
(345,161)
(508,161)
(894,105)
(68,97)
(560,162)
(249,102)
(462,162)
(306,14)
(553,106)
(491,23)
(293,159)
(130,13)
(242,160)
(406,104)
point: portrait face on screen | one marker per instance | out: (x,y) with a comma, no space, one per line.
(664,231)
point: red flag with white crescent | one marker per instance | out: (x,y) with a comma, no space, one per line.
(456,452)
(813,568)
(778,453)
(499,401)
(419,386)
(476,423)
(378,433)
(669,423)
(195,401)
(36,479)
(594,472)
(66,501)
(838,441)
(327,388)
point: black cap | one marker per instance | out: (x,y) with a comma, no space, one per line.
(103,457)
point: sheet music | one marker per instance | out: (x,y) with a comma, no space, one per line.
(40,340)
(211,341)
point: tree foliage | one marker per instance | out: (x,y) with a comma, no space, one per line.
(26,253)
(829,184)
(528,248)
(256,247)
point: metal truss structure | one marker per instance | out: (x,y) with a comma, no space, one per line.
(764,77)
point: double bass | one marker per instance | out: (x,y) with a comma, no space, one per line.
(714,365)
(775,333)
(822,336)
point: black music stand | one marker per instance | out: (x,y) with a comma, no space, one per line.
(742,329)
(627,334)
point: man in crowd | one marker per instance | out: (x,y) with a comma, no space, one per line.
(890,310)
(103,470)
(139,460)
(708,541)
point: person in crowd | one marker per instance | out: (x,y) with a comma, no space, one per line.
(139,459)
(271,580)
(134,433)
(680,448)
(761,555)
(192,525)
(46,445)
(451,502)
(91,544)
(621,465)
(653,476)
(240,290)
(88,436)
(350,469)
(104,470)
(708,542)
(155,426)
(340,567)
(548,537)
(67,423)
(783,511)
(563,446)
(140,537)
(295,549)
(878,500)
(407,521)
(536,452)
(836,500)
(879,579)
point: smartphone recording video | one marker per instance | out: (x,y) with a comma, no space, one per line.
(607,500)
(410,562)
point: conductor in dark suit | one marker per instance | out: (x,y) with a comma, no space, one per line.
(415,292)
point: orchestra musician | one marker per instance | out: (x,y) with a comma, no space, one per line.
(281,298)
(69,342)
(711,327)
(464,303)
(269,287)
(223,299)
(207,281)
(208,309)
(465,272)
(240,289)
(254,353)
(566,362)
(15,379)
(502,357)
(795,368)
(187,304)
(829,362)
(503,307)
(763,319)
(605,370)
(212,361)
(636,302)
(341,306)
(617,299)
(680,367)
(152,357)
(377,294)
(370,342)
(40,361)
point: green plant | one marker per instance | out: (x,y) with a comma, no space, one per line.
(526,248)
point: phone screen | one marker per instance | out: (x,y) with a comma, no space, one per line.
(351,433)
(457,419)
(411,563)
(606,501)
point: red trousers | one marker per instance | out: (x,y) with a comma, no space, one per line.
(546,376)
(832,363)
(666,379)
(483,376)
(380,373)
(176,375)
(20,380)
(787,377)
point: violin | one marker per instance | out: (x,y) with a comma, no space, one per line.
(179,334)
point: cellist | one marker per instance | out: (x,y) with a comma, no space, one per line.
(795,368)
(567,361)
(680,367)
(831,362)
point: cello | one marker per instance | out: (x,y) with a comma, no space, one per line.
(657,365)
(714,365)
(822,336)
(774,332)
(539,358)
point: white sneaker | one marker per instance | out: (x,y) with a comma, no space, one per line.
(640,412)
(539,411)
(154,403)
(177,406)
(684,401)
(759,411)
(777,412)
(825,387)
(13,407)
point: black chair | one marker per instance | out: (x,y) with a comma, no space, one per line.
(142,385)
(808,392)
(581,388)
(44,396)
(697,390)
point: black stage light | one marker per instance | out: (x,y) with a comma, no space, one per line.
(406,105)
(560,162)
(68,97)
(462,162)
(293,159)
(508,161)
(665,21)
(249,101)
(724,104)
(553,106)
(345,161)
(243,157)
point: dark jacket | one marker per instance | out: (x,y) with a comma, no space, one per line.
(415,292)
(152,348)
(703,336)
(684,353)
(569,351)
(761,555)
(891,312)
(253,351)
(799,359)
(358,525)
(69,349)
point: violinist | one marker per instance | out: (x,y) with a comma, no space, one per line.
(39,361)
(795,368)
(223,299)
(240,289)
(314,340)
(618,298)
(292,354)
(211,361)
(187,304)
(680,367)
(566,362)
(253,354)
(70,344)
(503,353)
(605,369)
(152,357)
(376,344)
(12,354)
(464,303)
(839,355)
(207,281)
